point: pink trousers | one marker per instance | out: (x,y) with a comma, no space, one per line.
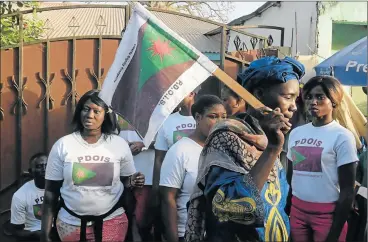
(113,230)
(312,221)
(144,217)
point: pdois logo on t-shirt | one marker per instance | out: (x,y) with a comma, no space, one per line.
(37,211)
(93,174)
(179,134)
(307,158)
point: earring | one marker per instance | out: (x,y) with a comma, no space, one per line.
(333,105)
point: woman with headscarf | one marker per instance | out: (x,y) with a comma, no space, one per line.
(241,188)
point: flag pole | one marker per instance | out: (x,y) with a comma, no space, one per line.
(228,81)
(238,89)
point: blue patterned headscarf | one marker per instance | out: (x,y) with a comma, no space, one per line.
(270,70)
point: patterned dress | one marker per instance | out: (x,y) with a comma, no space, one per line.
(226,204)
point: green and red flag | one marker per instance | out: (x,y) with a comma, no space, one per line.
(93,174)
(37,211)
(307,158)
(154,69)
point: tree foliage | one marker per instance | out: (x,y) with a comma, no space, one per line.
(9,26)
(217,11)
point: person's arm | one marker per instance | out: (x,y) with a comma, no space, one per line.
(128,175)
(152,146)
(18,218)
(54,178)
(360,168)
(346,174)
(159,158)
(161,147)
(172,179)
(169,212)
(274,125)
(262,168)
(49,207)
(135,180)
(136,147)
(346,158)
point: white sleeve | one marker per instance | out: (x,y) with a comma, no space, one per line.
(346,151)
(127,167)
(125,135)
(161,142)
(18,210)
(130,136)
(172,169)
(55,163)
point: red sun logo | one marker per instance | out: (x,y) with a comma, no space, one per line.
(80,174)
(161,48)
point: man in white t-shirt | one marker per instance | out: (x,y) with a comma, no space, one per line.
(177,125)
(26,203)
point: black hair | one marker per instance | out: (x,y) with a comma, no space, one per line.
(109,125)
(330,85)
(35,156)
(205,102)
(364,90)
(232,93)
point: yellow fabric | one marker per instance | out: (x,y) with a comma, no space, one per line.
(275,228)
(350,117)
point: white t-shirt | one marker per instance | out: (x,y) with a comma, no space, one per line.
(175,127)
(145,159)
(26,206)
(179,170)
(316,153)
(91,174)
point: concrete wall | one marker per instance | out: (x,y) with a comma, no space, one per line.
(284,16)
(348,12)
(310,19)
(335,12)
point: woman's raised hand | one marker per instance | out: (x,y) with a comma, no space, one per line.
(275,126)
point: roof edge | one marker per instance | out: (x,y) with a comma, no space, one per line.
(186,15)
(258,11)
(73,6)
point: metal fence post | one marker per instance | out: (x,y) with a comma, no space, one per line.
(46,80)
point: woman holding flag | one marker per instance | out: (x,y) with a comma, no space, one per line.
(241,187)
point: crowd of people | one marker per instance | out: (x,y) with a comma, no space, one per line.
(218,170)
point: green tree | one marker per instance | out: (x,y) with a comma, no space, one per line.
(9,26)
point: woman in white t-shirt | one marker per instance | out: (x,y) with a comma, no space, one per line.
(324,156)
(88,171)
(180,166)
